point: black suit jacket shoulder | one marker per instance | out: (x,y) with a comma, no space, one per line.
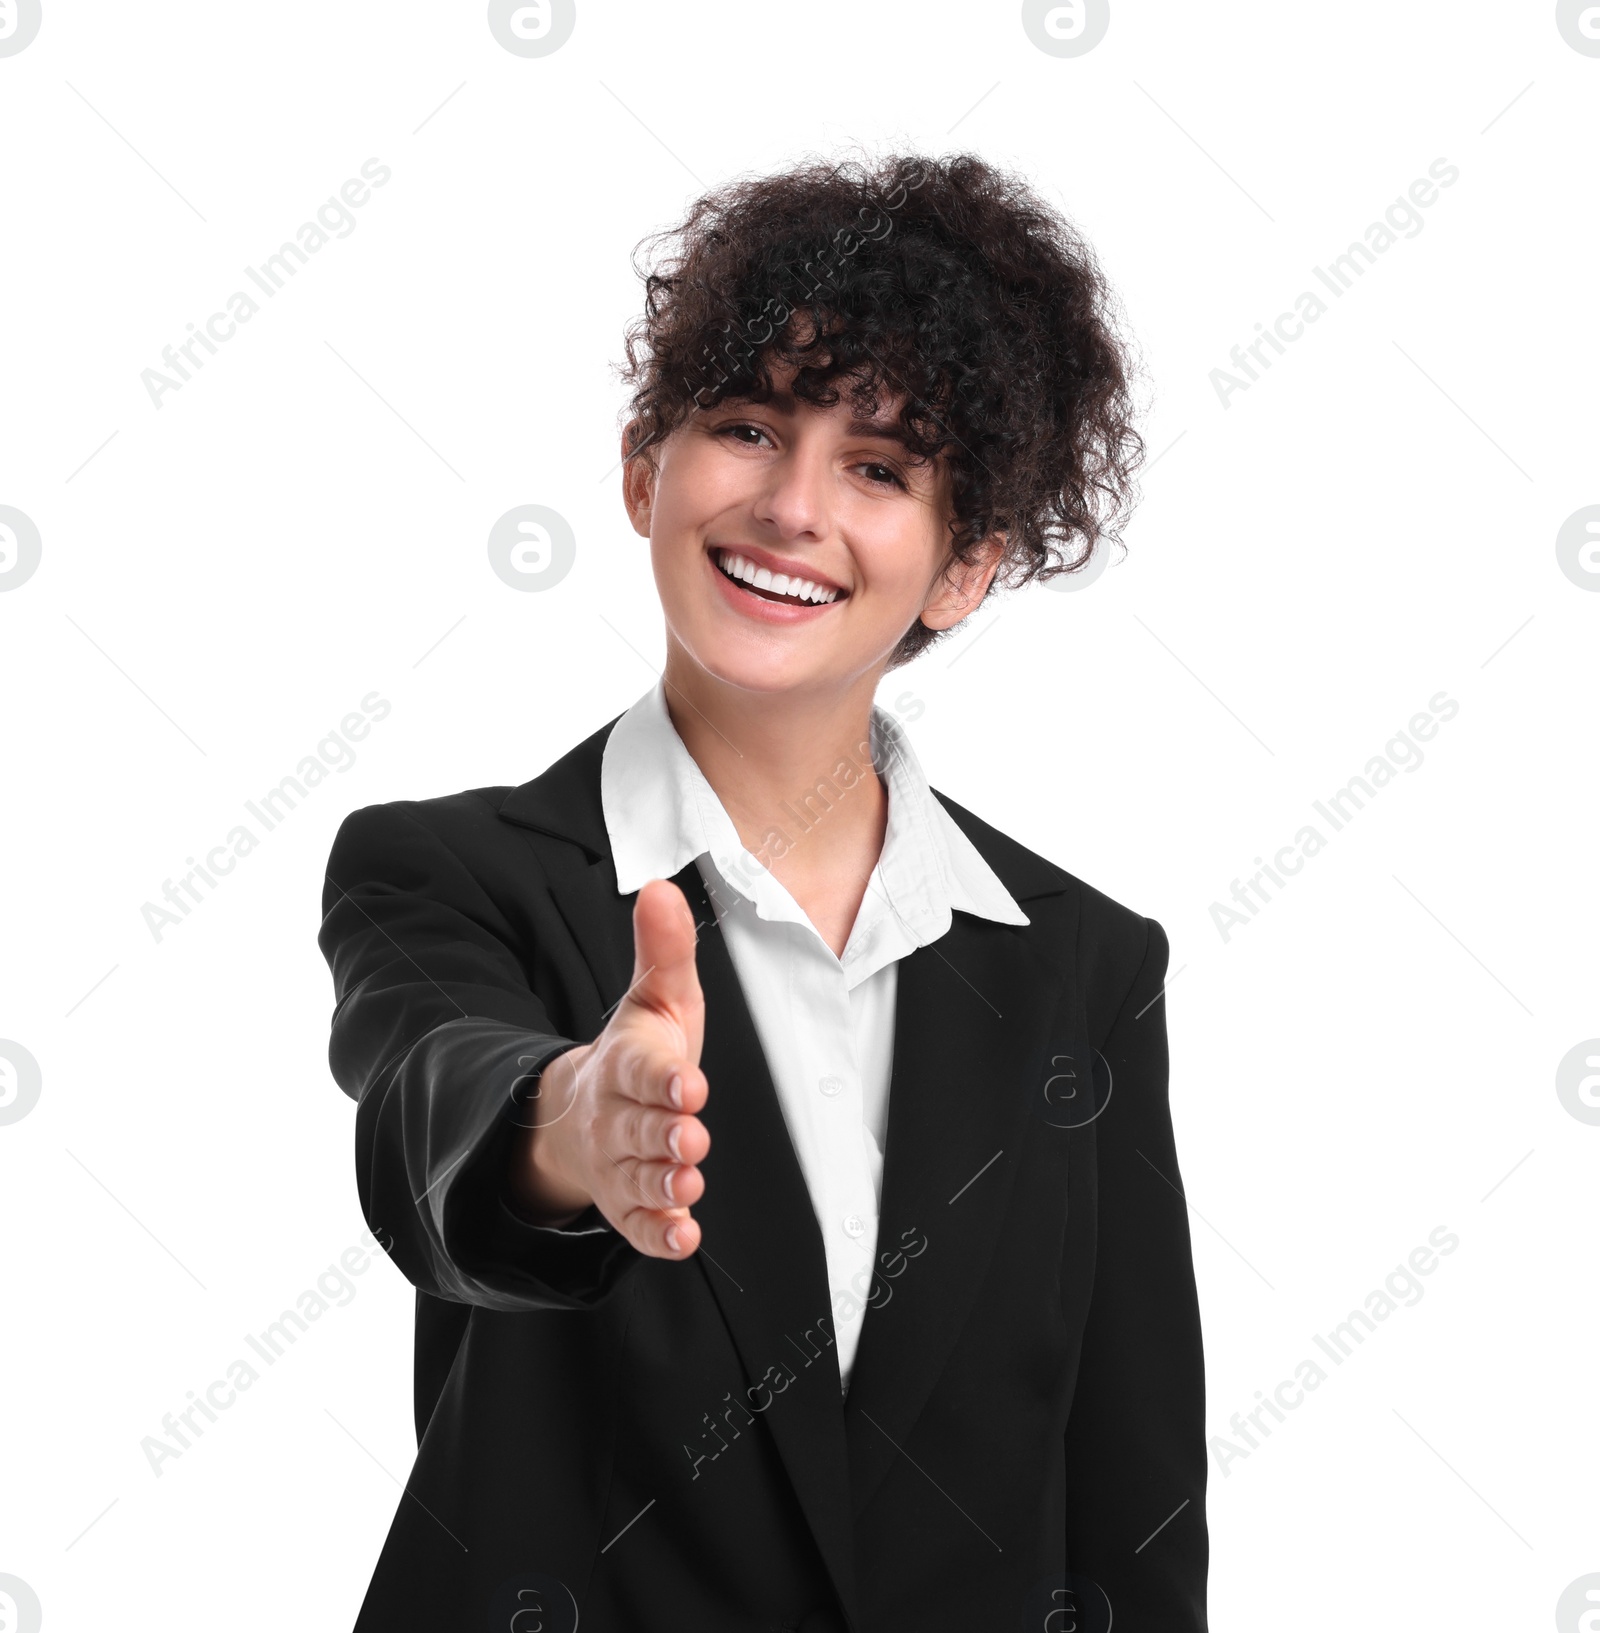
(661,1445)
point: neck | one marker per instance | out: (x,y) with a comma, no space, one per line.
(782,761)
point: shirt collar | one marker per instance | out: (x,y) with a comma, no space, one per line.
(661,814)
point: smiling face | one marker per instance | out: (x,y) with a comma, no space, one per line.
(793,546)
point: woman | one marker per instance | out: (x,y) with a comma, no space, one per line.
(780,1152)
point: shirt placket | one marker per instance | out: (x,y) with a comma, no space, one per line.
(847,1207)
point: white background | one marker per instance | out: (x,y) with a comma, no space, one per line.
(305,522)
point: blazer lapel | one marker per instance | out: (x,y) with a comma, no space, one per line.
(973,1014)
(564,801)
(761,1251)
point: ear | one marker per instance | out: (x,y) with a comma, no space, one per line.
(960,585)
(638,485)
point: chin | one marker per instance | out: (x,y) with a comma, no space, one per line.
(757,671)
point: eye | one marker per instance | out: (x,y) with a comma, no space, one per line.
(733,431)
(881,475)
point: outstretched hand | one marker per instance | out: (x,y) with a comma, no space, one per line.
(615,1120)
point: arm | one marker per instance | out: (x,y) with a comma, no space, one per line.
(440,1039)
(1135,1440)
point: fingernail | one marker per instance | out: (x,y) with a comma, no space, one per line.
(669,1184)
(675,1091)
(674,1142)
(672,1238)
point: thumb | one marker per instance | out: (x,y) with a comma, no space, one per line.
(665,979)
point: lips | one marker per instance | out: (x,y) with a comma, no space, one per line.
(781,587)
(765,603)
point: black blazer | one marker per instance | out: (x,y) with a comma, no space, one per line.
(662,1445)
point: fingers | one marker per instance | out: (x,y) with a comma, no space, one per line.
(662,1232)
(665,979)
(643,1140)
(680,1237)
(667,1186)
(650,1152)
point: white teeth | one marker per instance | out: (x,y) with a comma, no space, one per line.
(736,566)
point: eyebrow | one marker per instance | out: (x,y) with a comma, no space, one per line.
(888,430)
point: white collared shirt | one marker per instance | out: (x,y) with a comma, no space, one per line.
(826,1024)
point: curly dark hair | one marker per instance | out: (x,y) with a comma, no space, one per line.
(946,280)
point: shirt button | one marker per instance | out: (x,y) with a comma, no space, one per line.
(854,1224)
(830,1085)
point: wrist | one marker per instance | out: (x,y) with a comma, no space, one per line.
(542,1190)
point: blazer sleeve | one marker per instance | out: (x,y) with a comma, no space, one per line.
(1135,1436)
(439,1038)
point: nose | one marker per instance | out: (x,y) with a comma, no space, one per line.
(795,497)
